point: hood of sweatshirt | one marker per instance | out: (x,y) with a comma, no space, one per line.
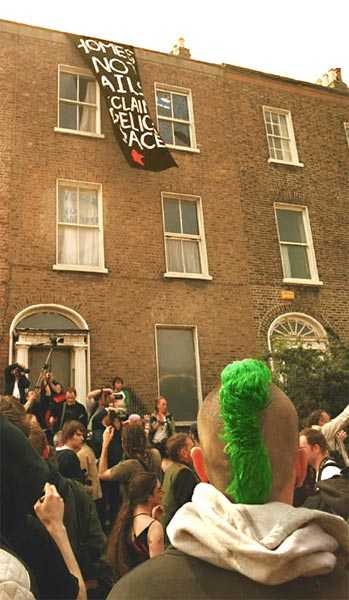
(270,543)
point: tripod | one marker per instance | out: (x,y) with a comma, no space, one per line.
(45,365)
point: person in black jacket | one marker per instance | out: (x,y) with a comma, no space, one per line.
(16,381)
(41,542)
(68,410)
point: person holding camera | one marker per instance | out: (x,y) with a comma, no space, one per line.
(16,381)
(97,402)
(121,397)
(161,426)
(50,389)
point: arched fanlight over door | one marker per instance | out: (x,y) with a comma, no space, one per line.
(293,329)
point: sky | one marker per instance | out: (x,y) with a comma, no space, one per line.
(300,39)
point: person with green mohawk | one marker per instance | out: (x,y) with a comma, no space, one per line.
(240,538)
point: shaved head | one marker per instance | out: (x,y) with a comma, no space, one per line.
(280,434)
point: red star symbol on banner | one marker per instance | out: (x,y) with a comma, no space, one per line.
(137,157)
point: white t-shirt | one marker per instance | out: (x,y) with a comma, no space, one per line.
(15,391)
(328,471)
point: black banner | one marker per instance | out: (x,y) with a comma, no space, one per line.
(115,68)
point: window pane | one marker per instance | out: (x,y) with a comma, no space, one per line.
(46,320)
(283,124)
(67,245)
(191,256)
(181,134)
(163,104)
(68,115)
(286,150)
(189,217)
(172,218)
(174,256)
(88,207)
(295,260)
(67,204)
(88,246)
(291,227)
(87,118)
(274,117)
(68,86)
(87,90)
(177,372)
(165,130)
(180,107)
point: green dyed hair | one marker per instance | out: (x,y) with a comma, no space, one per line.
(244,395)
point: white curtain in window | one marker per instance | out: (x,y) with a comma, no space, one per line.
(67,236)
(67,245)
(87,113)
(88,246)
(88,207)
(174,256)
(191,257)
(286,261)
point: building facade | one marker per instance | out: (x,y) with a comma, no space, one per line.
(163,278)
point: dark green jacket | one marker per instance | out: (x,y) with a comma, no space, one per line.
(174,575)
(178,486)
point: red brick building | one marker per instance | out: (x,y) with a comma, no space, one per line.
(163,278)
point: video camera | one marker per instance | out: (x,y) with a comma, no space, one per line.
(21,369)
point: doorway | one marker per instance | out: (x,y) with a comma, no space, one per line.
(59,364)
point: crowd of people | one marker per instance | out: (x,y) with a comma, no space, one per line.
(245,504)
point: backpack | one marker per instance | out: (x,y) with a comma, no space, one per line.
(332,495)
(327,463)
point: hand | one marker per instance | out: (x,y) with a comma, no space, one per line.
(108,435)
(31,397)
(52,421)
(157,512)
(50,507)
(341,435)
(107,390)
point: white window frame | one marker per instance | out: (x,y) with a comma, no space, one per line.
(292,139)
(163,87)
(321,343)
(193,328)
(85,73)
(314,277)
(346,129)
(181,236)
(89,268)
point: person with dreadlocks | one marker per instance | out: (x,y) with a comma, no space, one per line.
(240,536)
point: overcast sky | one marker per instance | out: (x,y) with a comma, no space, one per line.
(301,39)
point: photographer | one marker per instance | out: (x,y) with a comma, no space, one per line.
(162,426)
(16,381)
(50,389)
(121,396)
(97,401)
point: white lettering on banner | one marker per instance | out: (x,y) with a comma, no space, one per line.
(116,70)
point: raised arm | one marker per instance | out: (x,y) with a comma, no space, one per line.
(330,429)
(50,510)
(119,472)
